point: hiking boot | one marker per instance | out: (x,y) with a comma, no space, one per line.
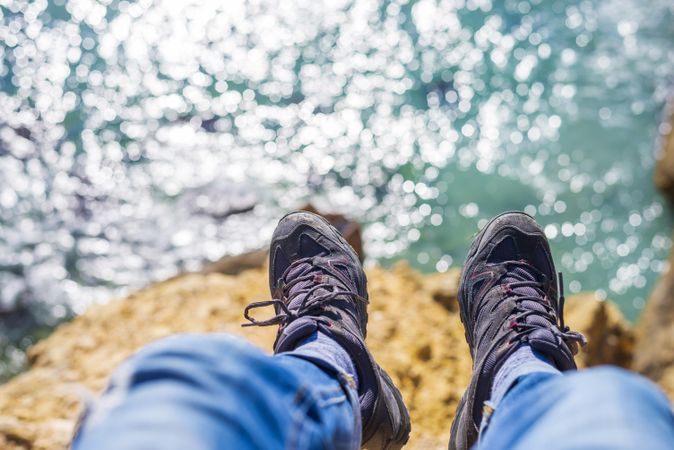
(318,283)
(508,298)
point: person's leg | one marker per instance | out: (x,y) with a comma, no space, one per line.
(525,392)
(213,391)
(600,408)
(320,298)
(513,315)
(322,389)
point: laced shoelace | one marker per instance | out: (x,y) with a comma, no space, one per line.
(311,303)
(555,316)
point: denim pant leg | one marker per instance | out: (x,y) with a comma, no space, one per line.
(215,391)
(600,408)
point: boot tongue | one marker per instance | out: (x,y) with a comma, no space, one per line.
(520,274)
(545,338)
(298,292)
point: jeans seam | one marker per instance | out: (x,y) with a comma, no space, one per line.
(299,416)
(332,401)
(354,400)
(330,396)
(304,400)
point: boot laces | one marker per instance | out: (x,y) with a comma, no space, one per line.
(313,275)
(531,301)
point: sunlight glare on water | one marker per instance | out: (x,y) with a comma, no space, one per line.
(130,132)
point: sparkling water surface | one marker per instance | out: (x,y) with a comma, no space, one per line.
(140,139)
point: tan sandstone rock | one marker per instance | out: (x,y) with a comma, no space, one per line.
(664,167)
(654,347)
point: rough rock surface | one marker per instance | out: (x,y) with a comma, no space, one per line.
(654,352)
(664,167)
(415,333)
(654,348)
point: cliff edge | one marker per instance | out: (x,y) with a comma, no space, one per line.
(654,355)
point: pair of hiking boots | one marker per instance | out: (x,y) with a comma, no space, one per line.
(508,297)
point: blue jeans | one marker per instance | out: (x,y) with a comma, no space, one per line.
(600,408)
(218,392)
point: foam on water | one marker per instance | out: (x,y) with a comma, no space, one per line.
(130,131)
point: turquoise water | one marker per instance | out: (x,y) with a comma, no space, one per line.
(139,139)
